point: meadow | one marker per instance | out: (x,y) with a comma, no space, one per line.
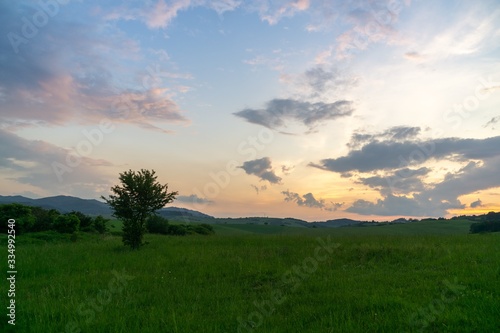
(418,277)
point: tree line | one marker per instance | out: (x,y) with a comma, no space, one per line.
(489,223)
(36,219)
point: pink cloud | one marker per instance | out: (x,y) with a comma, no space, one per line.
(162,14)
(272,13)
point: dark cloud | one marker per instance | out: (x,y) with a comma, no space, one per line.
(308,200)
(472,178)
(477,203)
(261,168)
(387,155)
(193,198)
(492,122)
(393,162)
(435,199)
(278,112)
(335,206)
(287,169)
(258,188)
(395,134)
(402,181)
(392,205)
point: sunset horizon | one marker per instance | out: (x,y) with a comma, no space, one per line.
(315,110)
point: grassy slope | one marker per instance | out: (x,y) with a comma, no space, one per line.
(375,281)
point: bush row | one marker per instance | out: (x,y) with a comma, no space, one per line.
(160,225)
(34,219)
(490,223)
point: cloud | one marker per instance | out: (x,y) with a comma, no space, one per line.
(391,168)
(414,56)
(395,134)
(320,82)
(308,200)
(141,107)
(52,169)
(477,203)
(371,22)
(317,77)
(69,73)
(278,112)
(258,188)
(273,11)
(492,122)
(386,155)
(287,169)
(436,199)
(402,181)
(475,176)
(392,205)
(223,6)
(466,36)
(162,13)
(193,198)
(261,168)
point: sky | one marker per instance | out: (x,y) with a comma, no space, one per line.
(317,110)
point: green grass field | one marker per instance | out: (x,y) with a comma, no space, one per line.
(423,276)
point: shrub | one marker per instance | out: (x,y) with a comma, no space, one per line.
(67,224)
(157,225)
(44,219)
(484,227)
(21,213)
(177,229)
(204,229)
(100,224)
(86,222)
(490,223)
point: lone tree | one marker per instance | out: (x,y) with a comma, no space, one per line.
(137,198)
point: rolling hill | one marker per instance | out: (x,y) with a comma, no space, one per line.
(66,204)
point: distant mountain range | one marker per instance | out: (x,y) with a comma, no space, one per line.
(66,204)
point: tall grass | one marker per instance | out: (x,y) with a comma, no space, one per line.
(370,283)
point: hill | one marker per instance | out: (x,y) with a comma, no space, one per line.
(336,223)
(92,207)
(63,204)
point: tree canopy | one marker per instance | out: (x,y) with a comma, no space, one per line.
(137,197)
